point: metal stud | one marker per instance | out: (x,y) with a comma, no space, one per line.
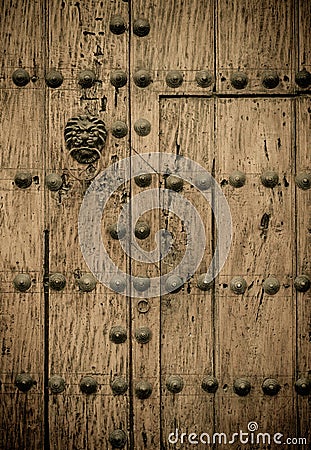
(141,284)
(22,282)
(209,384)
(142,230)
(303,78)
(88,385)
(175,384)
(143,306)
(57,384)
(271,386)
(203,181)
(142,78)
(24,382)
(23,180)
(175,183)
(53,182)
(117,231)
(117,283)
(119,129)
(87,282)
(237,179)
(118,334)
(143,390)
(204,78)
(303,386)
(141,27)
(238,285)
(174,79)
(119,386)
(118,78)
(86,78)
(173,283)
(20,77)
(302,283)
(142,127)
(269,179)
(241,387)
(270,79)
(143,335)
(239,80)
(271,285)
(57,281)
(202,282)
(303,181)
(54,79)
(117,25)
(143,180)
(117,439)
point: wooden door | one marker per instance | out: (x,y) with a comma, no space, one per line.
(225,84)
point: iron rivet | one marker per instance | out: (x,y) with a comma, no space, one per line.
(142,78)
(175,183)
(175,384)
(239,80)
(53,182)
(57,281)
(142,230)
(271,386)
(209,384)
(118,334)
(242,387)
(173,283)
(270,79)
(303,386)
(87,283)
(143,306)
(117,439)
(203,283)
(174,79)
(118,283)
(22,282)
(119,386)
(303,78)
(143,180)
(271,285)
(204,78)
(117,231)
(142,127)
(88,385)
(203,182)
(141,284)
(54,79)
(141,27)
(143,390)
(24,382)
(119,129)
(238,285)
(302,283)
(269,179)
(118,78)
(56,384)
(86,78)
(23,180)
(21,77)
(237,179)
(303,181)
(143,335)
(117,25)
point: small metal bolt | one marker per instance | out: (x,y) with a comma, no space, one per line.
(57,384)
(142,78)
(175,384)
(175,183)
(237,179)
(174,79)
(173,283)
(53,182)
(143,390)
(239,80)
(119,386)
(143,335)
(57,281)
(269,179)
(117,25)
(143,306)
(86,78)
(270,79)
(142,230)
(117,231)
(238,285)
(142,127)
(209,384)
(303,79)
(118,335)
(119,129)
(54,79)
(303,386)
(20,77)
(143,180)
(202,282)
(117,283)
(271,285)
(118,78)
(242,387)
(141,284)
(204,78)
(117,439)
(302,283)
(22,282)
(87,283)
(303,181)
(271,386)
(88,385)
(23,180)
(203,182)
(24,382)
(141,27)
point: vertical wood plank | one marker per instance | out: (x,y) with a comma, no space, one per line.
(304,24)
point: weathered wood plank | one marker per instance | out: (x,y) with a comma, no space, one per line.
(304,24)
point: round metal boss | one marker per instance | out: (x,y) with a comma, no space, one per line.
(174,79)
(117,283)
(54,79)
(23,180)
(56,384)
(204,78)
(239,80)
(141,27)
(117,231)
(141,284)
(118,78)
(203,182)
(142,230)
(143,390)
(173,283)
(270,79)
(271,386)
(57,281)
(175,183)
(303,181)
(143,180)
(53,182)
(20,77)
(242,387)
(271,285)
(119,129)
(238,285)
(142,78)
(175,384)
(118,335)
(303,79)
(142,127)
(86,78)
(22,282)
(143,335)
(119,386)
(302,283)
(269,179)
(237,179)
(117,439)
(202,283)
(88,385)
(209,384)
(303,386)
(87,282)
(117,25)
(24,382)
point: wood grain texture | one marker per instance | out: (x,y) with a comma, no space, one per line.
(304,24)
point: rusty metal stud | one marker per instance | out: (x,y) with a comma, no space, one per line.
(269,179)
(117,283)
(119,129)
(86,78)
(142,127)
(173,283)
(239,80)
(204,78)
(174,79)
(24,382)
(117,25)
(23,180)
(22,282)
(271,285)
(175,384)
(303,78)
(303,386)
(57,281)
(175,183)
(54,79)
(271,386)
(119,386)
(238,285)
(143,306)
(237,179)
(302,283)
(57,384)
(143,390)
(241,387)
(20,77)
(118,78)
(88,385)
(141,284)
(303,181)
(53,182)
(87,282)
(143,180)
(142,230)
(143,335)
(117,231)
(117,439)
(270,79)
(209,384)
(141,27)
(118,334)
(202,283)
(142,78)
(203,181)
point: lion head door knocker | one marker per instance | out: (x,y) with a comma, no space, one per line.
(85,137)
